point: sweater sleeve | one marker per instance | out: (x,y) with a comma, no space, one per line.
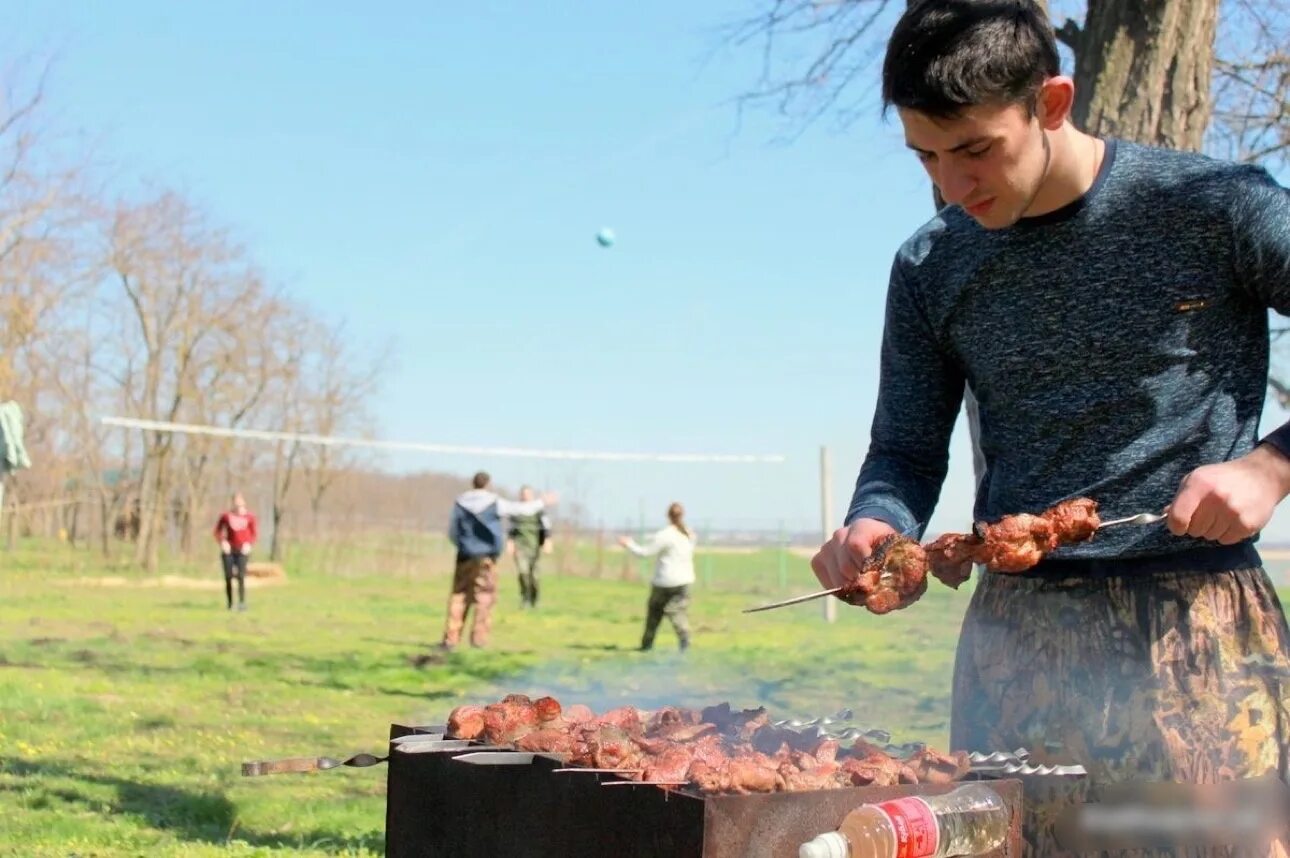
(1260,212)
(919,392)
(454,525)
(510,508)
(649,549)
(252,525)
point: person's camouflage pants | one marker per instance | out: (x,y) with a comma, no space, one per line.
(526,562)
(1162,677)
(473,583)
(670,602)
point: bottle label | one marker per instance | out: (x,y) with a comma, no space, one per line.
(912,819)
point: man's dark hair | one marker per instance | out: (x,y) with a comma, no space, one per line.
(948,55)
(481,480)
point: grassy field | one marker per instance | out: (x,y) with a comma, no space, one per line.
(126,710)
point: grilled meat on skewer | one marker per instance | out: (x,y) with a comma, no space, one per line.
(1014,543)
(894,577)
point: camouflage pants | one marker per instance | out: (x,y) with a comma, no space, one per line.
(473,583)
(526,562)
(670,602)
(1161,677)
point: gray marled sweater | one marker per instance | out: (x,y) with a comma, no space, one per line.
(1113,345)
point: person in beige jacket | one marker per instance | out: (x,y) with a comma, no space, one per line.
(669,594)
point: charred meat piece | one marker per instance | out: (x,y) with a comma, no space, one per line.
(932,767)
(745,773)
(506,721)
(904,568)
(466,722)
(684,732)
(951,556)
(547,740)
(894,577)
(673,765)
(546,708)
(606,746)
(1074,520)
(1014,543)
(578,714)
(876,771)
(624,717)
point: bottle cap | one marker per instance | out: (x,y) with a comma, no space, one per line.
(828,845)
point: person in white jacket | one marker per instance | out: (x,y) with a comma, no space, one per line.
(669,594)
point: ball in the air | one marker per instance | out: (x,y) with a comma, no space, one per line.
(605,238)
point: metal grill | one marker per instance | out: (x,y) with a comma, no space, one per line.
(438,805)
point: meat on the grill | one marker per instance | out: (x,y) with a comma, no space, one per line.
(626,717)
(715,750)
(547,740)
(466,722)
(578,714)
(506,721)
(1014,543)
(933,767)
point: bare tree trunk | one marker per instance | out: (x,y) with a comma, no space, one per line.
(283,470)
(1142,70)
(105,523)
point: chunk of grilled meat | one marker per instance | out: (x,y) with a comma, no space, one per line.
(1014,543)
(893,578)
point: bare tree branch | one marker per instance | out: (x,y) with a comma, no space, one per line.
(835,36)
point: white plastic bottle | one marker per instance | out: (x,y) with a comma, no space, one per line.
(970,820)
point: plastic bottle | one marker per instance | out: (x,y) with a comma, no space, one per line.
(970,820)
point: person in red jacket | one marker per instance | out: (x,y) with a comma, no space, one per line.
(236,533)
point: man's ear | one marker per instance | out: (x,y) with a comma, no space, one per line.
(1054,103)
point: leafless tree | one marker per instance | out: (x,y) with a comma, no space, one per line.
(1146,70)
(337,386)
(1251,119)
(43,270)
(174,271)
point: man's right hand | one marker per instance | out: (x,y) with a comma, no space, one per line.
(225,547)
(839,561)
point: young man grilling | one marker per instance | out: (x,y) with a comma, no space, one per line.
(1106,303)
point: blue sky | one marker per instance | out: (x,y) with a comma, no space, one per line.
(435,179)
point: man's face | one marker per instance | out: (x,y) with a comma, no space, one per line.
(990,160)
(526,494)
(239,504)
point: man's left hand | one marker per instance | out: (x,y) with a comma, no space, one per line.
(246,548)
(1232,501)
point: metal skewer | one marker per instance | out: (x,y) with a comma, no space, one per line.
(646,783)
(1140,518)
(795,600)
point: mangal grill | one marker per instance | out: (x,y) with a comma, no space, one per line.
(461,798)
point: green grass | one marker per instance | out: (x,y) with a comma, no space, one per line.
(125,712)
